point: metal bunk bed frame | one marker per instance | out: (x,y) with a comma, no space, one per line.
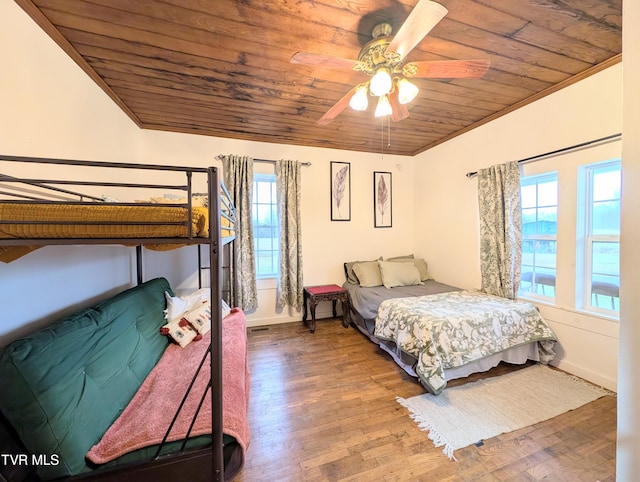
(188,465)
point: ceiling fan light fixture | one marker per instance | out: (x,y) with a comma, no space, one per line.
(360,100)
(382,59)
(381,82)
(384,107)
(407,91)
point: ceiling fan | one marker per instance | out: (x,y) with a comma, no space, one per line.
(383,59)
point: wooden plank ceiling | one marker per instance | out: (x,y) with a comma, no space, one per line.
(222,68)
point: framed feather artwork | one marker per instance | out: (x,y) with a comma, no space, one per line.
(340,191)
(382,199)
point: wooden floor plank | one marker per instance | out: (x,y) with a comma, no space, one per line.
(323,408)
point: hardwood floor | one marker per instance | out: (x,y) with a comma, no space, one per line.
(323,408)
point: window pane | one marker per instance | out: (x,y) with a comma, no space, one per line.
(265,225)
(263,192)
(526,278)
(527,252)
(605,258)
(606,183)
(262,232)
(605,290)
(528,196)
(264,261)
(545,254)
(548,220)
(539,197)
(539,281)
(266,244)
(548,193)
(601,249)
(264,214)
(529,220)
(606,218)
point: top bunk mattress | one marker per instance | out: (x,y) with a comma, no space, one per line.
(43,223)
(36,212)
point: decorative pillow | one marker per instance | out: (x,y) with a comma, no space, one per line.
(368,274)
(399,274)
(180,331)
(351,276)
(419,263)
(199,317)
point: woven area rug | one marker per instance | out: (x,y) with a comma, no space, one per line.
(464,415)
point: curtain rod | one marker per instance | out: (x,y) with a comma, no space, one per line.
(559,151)
(273,162)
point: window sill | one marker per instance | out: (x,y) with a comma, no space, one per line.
(551,304)
(266,283)
(595,314)
(548,301)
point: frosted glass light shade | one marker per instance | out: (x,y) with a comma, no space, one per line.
(381,82)
(384,107)
(360,100)
(406,91)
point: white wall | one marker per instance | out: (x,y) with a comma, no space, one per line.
(628,451)
(51,108)
(446,207)
(326,244)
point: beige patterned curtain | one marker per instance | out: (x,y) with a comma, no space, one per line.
(500,229)
(289,186)
(238,177)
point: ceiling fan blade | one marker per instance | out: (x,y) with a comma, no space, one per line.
(337,108)
(424,16)
(446,69)
(398,111)
(305,58)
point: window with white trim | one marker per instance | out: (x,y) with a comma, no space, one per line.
(539,199)
(598,233)
(265,225)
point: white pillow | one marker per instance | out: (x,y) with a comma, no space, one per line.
(179,305)
(419,263)
(399,274)
(226,309)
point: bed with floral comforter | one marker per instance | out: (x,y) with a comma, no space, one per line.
(449,330)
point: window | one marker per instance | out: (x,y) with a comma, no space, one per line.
(539,198)
(598,254)
(265,225)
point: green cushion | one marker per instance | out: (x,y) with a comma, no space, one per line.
(63,386)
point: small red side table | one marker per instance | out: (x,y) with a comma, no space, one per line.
(315,294)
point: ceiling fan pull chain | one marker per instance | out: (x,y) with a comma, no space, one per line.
(382,138)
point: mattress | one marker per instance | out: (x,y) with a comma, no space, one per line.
(44,222)
(364,310)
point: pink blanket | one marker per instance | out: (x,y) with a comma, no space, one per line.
(145,420)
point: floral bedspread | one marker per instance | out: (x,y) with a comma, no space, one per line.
(449,330)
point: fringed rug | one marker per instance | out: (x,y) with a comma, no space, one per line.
(467,414)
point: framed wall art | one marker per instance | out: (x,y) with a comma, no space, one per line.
(382,199)
(340,191)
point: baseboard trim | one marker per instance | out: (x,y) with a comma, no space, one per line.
(588,375)
(276,320)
